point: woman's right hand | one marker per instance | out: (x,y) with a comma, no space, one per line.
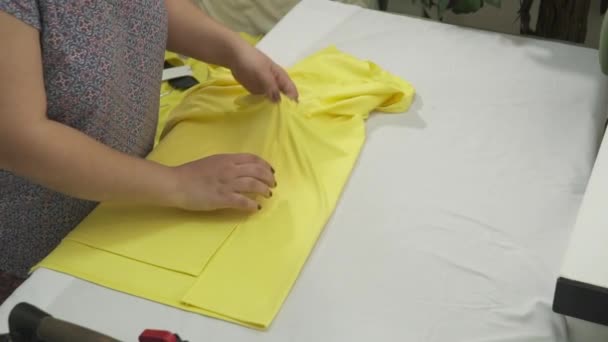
(223,181)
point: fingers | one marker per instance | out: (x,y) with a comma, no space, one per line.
(277,82)
(253,176)
(272,88)
(285,84)
(259,172)
(247,158)
(224,181)
(249,185)
(242,202)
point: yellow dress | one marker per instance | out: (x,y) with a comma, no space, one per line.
(228,265)
(170,98)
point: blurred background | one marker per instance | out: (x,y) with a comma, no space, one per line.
(577,21)
(574,21)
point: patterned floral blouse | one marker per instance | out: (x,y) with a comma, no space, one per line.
(103,63)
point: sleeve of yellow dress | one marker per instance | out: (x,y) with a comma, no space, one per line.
(225,265)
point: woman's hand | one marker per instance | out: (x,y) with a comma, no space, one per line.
(261,76)
(223,181)
(221,46)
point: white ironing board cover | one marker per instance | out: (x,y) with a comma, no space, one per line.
(456,218)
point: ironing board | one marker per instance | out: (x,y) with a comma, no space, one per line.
(455,220)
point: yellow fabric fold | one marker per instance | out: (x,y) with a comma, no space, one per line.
(228,265)
(170,98)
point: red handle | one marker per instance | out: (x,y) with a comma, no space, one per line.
(150,335)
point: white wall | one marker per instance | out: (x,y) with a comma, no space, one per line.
(503,19)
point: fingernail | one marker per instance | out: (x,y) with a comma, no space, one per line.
(272,169)
(259,207)
(270,194)
(275,184)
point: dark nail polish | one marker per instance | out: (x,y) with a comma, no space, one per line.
(270,194)
(259,207)
(272,169)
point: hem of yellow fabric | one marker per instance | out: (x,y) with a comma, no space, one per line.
(117,286)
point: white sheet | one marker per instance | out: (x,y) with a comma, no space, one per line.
(454,222)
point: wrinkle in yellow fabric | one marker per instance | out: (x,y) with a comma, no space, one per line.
(170,98)
(227,265)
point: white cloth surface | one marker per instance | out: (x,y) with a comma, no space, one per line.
(455,220)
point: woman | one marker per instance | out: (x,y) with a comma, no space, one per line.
(78,108)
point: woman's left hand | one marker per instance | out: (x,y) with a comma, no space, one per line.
(261,76)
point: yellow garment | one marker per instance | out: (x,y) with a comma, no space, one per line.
(224,264)
(170,98)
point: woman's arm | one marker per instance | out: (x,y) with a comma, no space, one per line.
(66,160)
(195,34)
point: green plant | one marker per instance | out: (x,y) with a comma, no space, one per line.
(557,19)
(456,6)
